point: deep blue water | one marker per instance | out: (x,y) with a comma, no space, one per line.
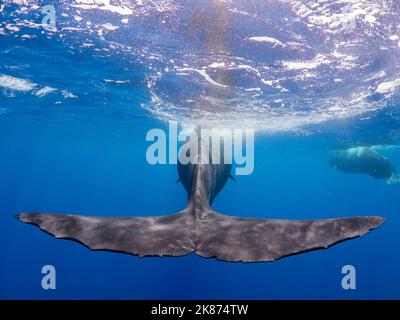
(97,170)
(81,149)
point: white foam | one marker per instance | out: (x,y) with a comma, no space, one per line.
(12,28)
(102,5)
(247,67)
(388,87)
(310,64)
(87,45)
(217,65)
(273,41)
(68,95)
(110,27)
(204,74)
(44,91)
(116,81)
(13,84)
(17,84)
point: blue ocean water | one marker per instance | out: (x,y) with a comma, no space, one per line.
(76,104)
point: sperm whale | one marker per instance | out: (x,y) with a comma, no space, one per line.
(200,229)
(364,160)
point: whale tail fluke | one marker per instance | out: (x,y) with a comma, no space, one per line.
(254,240)
(168,235)
(214,235)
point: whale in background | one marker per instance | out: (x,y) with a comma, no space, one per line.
(200,229)
(364,160)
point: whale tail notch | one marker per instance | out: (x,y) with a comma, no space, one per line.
(215,235)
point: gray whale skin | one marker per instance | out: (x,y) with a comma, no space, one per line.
(200,229)
(364,160)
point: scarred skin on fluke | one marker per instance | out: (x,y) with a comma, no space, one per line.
(200,229)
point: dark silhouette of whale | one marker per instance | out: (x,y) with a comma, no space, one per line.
(200,229)
(364,160)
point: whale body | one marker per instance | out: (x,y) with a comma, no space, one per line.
(200,229)
(364,160)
